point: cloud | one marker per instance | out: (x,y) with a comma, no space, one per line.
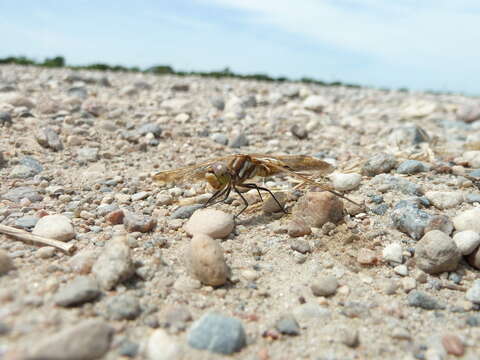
(415,33)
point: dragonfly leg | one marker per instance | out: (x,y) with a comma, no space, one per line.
(258,188)
(243,198)
(216,195)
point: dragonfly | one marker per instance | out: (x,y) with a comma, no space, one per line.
(234,172)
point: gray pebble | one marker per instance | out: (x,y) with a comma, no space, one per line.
(184,212)
(128,348)
(87,340)
(410,220)
(220,138)
(288,325)
(302,246)
(436,252)
(239,141)
(48,138)
(218,102)
(324,286)
(136,222)
(473,293)
(26,222)
(104,209)
(78,91)
(5,118)
(217,333)
(472,198)
(408,135)
(123,307)
(6,263)
(378,164)
(380,209)
(80,290)
(422,300)
(398,183)
(411,167)
(32,163)
(153,128)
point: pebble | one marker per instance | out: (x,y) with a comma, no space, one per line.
(88,340)
(422,300)
(217,333)
(436,252)
(468,113)
(401,270)
(472,158)
(379,164)
(45,252)
(115,217)
(6,263)
(270,206)
(57,226)
(411,167)
(78,291)
(366,257)
(136,222)
(220,138)
(345,182)
(467,241)
(311,311)
(395,183)
(218,102)
(5,118)
(128,348)
(315,103)
(114,264)
(299,131)
(239,141)
(444,199)
(408,135)
(87,154)
(82,261)
(474,258)
(408,283)
(453,344)
(393,253)
(348,337)
(297,227)
(325,285)
(142,195)
(206,261)
(318,208)
(161,346)
(184,212)
(468,220)
(288,325)
(411,220)
(440,222)
(302,246)
(48,138)
(175,318)
(122,307)
(213,223)
(26,222)
(22,172)
(473,293)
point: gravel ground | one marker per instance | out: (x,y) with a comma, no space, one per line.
(149,280)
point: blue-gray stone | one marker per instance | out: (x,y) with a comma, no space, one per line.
(153,128)
(410,220)
(475,173)
(380,210)
(26,222)
(422,300)
(5,118)
(19,193)
(378,164)
(472,197)
(78,91)
(104,209)
(217,333)
(288,325)
(123,307)
(128,348)
(185,212)
(220,138)
(411,167)
(239,141)
(32,163)
(218,103)
(377,199)
(399,183)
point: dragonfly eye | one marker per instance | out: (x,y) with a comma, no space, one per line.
(219,169)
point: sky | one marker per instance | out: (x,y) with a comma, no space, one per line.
(414,44)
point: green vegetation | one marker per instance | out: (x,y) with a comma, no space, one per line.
(59,62)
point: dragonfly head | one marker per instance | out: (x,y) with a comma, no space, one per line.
(218,175)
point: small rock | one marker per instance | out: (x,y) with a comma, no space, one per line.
(474,258)
(175,318)
(393,253)
(401,270)
(397,183)
(468,220)
(302,246)
(299,132)
(123,307)
(6,263)
(315,103)
(349,337)
(467,241)
(115,217)
(469,113)
(162,346)
(217,333)
(239,141)
(408,135)
(45,252)
(366,257)
(86,154)
(473,293)
(114,264)
(220,138)
(128,348)
(345,182)
(422,300)
(218,102)
(26,222)
(20,101)
(22,172)
(411,221)
(311,312)
(440,222)
(453,344)
(142,195)
(48,138)
(411,167)
(318,208)
(378,164)
(80,290)
(436,252)
(82,261)
(87,340)
(206,261)
(135,222)
(22,192)
(288,325)
(184,212)
(297,227)
(5,118)
(150,128)
(324,286)
(213,223)
(408,283)
(444,199)
(58,227)
(270,206)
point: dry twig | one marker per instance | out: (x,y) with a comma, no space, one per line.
(26,236)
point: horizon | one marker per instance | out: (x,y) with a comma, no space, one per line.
(420,47)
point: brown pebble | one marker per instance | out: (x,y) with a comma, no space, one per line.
(115,217)
(262,354)
(453,344)
(298,227)
(367,257)
(318,208)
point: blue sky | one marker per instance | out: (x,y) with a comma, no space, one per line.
(418,44)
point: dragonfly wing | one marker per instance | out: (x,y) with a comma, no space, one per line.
(294,163)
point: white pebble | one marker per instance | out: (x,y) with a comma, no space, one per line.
(345,182)
(468,220)
(467,241)
(393,253)
(444,199)
(401,270)
(58,227)
(214,223)
(162,346)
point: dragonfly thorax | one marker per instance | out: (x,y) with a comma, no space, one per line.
(218,175)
